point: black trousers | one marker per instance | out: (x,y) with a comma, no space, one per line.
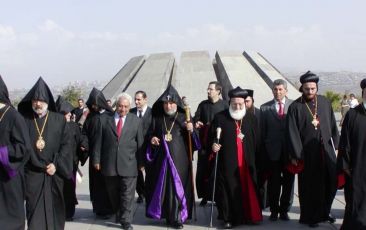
(140,186)
(280,188)
(121,191)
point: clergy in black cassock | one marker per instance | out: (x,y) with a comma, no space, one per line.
(203,118)
(50,159)
(97,105)
(311,129)
(168,183)
(79,149)
(14,152)
(352,161)
(236,184)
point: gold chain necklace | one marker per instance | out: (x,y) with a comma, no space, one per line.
(168,136)
(2,116)
(315,120)
(40,143)
(240,134)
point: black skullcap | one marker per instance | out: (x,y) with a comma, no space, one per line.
(250,92)
(309,77)
(238,92)
(363,83)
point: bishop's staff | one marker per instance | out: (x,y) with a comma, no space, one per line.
(190,156)
(218,135)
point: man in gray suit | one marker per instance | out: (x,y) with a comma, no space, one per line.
(118,156)
(273,126)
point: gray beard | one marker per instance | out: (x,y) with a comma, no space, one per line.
(41,112)
(237,114)
(170,112)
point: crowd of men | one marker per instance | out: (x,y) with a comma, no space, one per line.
(248,155)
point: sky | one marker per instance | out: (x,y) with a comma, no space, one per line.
(69,40)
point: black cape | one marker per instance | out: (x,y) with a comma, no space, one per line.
(14,152)
(97,187)
(174,201)
(47,211)
(317,182)
(205,113)
(228,195)
(352,156)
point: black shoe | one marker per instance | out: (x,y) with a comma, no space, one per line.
(331,219)
(126,226)
(177,225)
(140,200)
(227,225)
(273,216)
(315,225)
(284,216)
(203,202)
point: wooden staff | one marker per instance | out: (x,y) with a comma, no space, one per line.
(190,156)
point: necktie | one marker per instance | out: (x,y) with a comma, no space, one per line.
(280,110)
(140,114)
(119,127)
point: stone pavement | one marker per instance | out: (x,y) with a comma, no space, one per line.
(84,218)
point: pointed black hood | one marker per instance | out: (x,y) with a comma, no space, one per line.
(40,91)
(170,94)
(63,106)
(96,97)
(4,94)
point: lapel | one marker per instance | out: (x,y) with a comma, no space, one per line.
(112,123)
(287,104)
(126,125)
(273,109)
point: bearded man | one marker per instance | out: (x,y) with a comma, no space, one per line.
(236,186)
(169,184)
(50,160)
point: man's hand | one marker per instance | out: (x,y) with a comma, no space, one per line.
(155,141)
(198,125)
(216,147)
(51,169)
(142,168)
(189,126)
(97,167)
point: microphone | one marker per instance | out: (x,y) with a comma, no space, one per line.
(218,134)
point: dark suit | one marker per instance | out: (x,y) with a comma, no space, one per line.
(273,130)
(119,160)
(146,122)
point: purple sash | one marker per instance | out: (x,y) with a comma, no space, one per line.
(4,161)
(155,206)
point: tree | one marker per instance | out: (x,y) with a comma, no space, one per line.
(335,99)
(71,94)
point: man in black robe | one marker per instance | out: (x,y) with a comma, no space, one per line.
(97,105)
(312,133)
(143,111)
(352,161)
(249,105)
(169,184)
(236,192)
(14,152)
(50,159)
(78,111)
(203,118)
(79,153)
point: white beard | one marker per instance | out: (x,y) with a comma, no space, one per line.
(42,111)
(171,112)
(237,114)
